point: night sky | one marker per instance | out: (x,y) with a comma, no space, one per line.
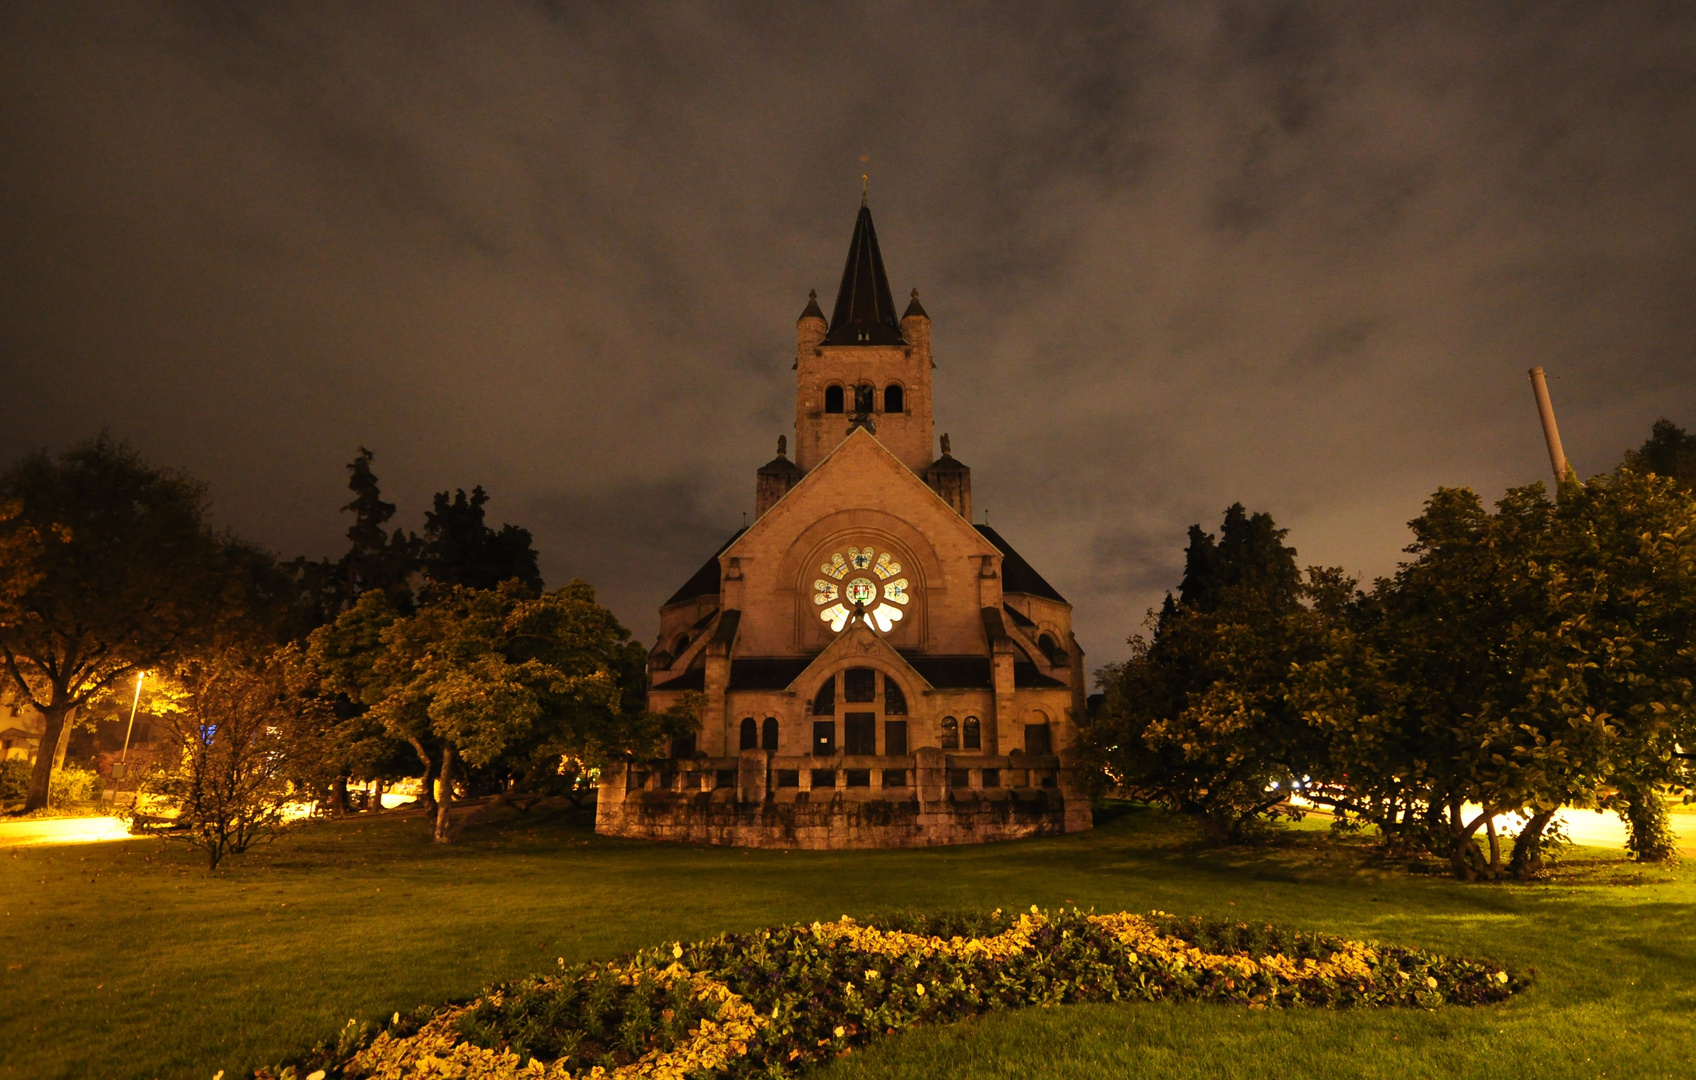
(1178,255)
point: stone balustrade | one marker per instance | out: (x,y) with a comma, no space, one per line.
(760,799)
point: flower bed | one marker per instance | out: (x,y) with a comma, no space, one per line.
(771,1002)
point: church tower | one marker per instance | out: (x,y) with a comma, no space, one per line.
(866,367)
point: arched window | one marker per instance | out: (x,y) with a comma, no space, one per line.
(750,734)
(679,645)
(768,734)
(894,701)
(859,684)
(950,733)
(894,398)
(825,703)
(833,399)
(1051,649)
(971,738)
(863,398)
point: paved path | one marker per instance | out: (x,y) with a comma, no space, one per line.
(67,830)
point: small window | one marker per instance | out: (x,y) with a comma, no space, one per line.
(750,734)
(833,399)
(972,734)
(895,738)
(950,733)
(859,684)
(824,779)
(768,734)
(992,778)
(683,746)
(863,395)
(1038,739)
(894,399)
(824,704)
(894,701)
(894,778)
(859,733)
(858,777)
(724,778)
(789,778)
(959,778)
(824,738)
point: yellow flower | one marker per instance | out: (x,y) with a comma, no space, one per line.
(839,1031)
(677,950)
(921,989)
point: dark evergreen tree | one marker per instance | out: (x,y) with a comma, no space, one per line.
(461,549)
(1197,718)
(375,559)
(1669,451)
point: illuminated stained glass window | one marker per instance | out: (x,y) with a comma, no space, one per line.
(881,601)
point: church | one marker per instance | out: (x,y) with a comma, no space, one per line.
(878,669)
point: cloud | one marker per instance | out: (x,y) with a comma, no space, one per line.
(1178,255)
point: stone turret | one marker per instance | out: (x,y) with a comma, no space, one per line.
(774,479)
(951,480)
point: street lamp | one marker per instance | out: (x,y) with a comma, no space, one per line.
(121,768)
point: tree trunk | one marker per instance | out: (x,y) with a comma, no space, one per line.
(444,805)
(338,796)
(377,786)
(1495,847)
(57,720)
(1526,862)
(427,792)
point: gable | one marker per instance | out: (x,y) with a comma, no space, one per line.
(859,473)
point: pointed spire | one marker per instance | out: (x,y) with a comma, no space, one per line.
(914,308)
(812,310)
(865,311)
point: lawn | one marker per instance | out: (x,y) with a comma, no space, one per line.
(127,959)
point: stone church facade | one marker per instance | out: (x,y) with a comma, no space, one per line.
(879,671)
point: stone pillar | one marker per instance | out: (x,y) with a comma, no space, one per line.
(753,767)
(930,774)
(609,797)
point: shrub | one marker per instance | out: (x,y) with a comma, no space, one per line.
(72,785)
(14,779)
(776,1000)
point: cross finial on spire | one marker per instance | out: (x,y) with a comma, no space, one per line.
(864,177)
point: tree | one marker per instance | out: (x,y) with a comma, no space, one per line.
(1197,719)
(500,680)
(460,549)
(1524,660)
(237,727)
(1670,451)
(375,559)
(127,575)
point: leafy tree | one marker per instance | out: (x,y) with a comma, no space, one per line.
(500,680)
(1670,451)
(236,726)
(460,549)
(126,575)
(1197,719)
(1524,660)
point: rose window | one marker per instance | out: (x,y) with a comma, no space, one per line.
(880,601)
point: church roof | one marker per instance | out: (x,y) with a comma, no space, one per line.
(865,310)
(705,581)
(1017,575)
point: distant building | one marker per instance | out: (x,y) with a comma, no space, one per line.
(20,728)
(879,670)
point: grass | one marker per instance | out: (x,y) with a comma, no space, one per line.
(128,959)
